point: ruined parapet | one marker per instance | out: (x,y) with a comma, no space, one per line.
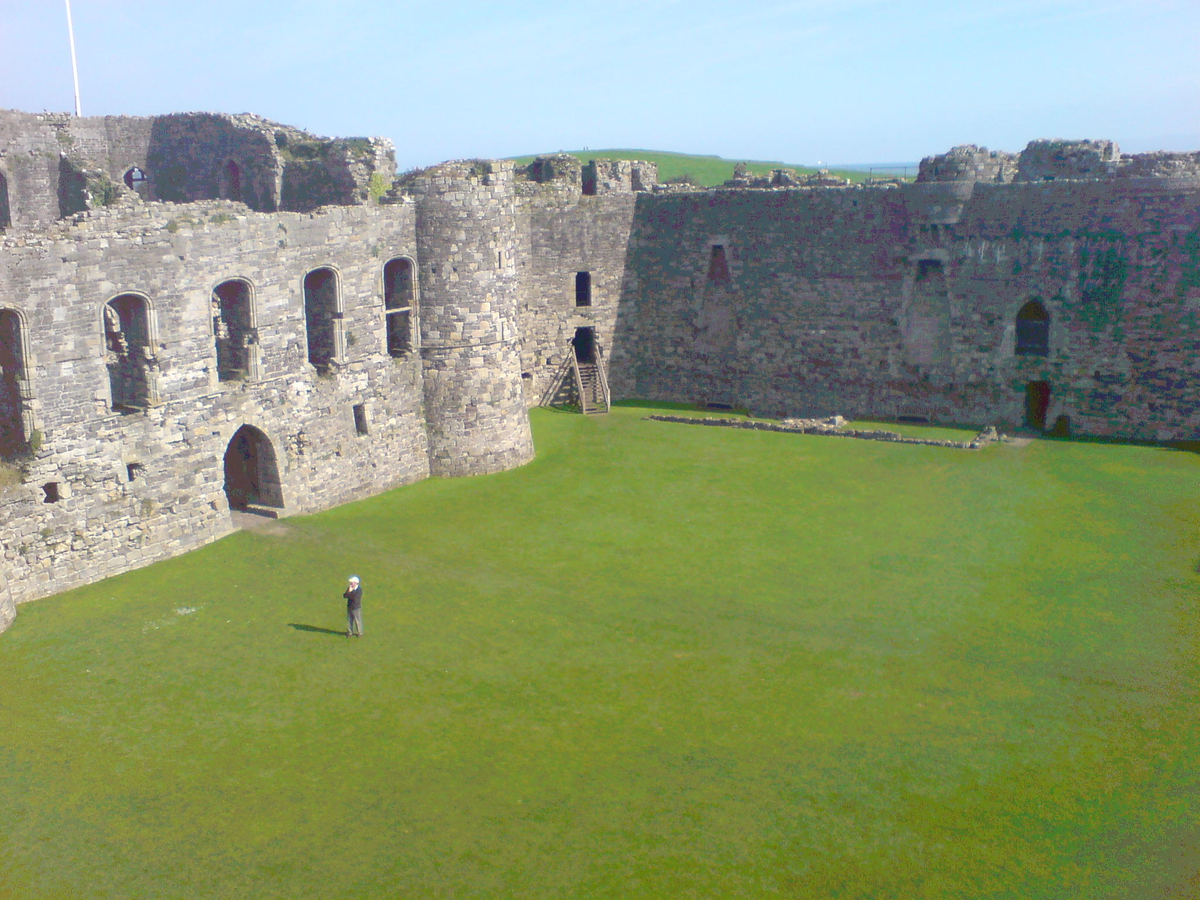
(467,239)
(968,162)
(1160,165)
(1060,160)
(560,168)
(618,176)
(332,172)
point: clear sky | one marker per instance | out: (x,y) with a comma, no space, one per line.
(850,81)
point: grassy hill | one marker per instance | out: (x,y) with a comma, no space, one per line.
(706,170)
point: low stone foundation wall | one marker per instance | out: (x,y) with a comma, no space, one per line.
(832,426)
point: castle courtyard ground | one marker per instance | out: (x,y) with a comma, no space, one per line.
(657,661)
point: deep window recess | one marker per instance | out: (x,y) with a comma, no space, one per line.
(398,303)
(322,309)
(14,389)
(133,470)
(1033,330)
(134,178)
(233,181)
(51,492)
(360,418)
(233,331)
(583,288)
(131,362)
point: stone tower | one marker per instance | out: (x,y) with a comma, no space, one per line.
(466,239)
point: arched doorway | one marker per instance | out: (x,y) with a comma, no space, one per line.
(1037,402)
(251,472)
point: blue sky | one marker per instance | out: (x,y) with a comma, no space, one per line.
(801,81)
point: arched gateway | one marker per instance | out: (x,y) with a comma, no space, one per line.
(251,472)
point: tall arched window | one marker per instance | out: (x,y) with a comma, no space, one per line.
(323,318)
(233,330)
(398,296)
(132,366)
(1033,329)
(14,389)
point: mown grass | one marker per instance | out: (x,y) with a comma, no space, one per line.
(708,171)
(659,661)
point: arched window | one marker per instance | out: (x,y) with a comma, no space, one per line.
(583,288)
(233,330)
(398,296)
(14,389)
(323,318)
(132,366)
(134,178)
(5,215)
(1033,329)
(251,471)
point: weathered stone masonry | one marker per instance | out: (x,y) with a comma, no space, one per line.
(201,311)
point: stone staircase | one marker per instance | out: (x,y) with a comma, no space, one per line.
(591,388)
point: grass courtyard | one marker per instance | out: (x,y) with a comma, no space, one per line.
(658,662)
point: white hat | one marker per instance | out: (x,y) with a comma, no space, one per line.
(355,579)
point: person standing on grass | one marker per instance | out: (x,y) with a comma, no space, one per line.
(353,597)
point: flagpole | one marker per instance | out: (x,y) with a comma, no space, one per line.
(74,64)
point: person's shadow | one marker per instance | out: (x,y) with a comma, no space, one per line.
(315,630)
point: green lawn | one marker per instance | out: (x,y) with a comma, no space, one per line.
(660,661)
(708,171)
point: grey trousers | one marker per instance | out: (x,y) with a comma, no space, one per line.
(354,621)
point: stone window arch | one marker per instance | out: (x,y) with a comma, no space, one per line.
(235,331)
(399,301)
(16,420)
(1033,329)
(323,318)
(128,323)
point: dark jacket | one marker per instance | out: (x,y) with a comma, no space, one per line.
(354,598)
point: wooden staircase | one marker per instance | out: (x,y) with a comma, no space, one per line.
(583,385)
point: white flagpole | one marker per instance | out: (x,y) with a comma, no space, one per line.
(74,65)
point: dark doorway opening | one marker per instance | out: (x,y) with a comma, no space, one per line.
(1033,329)
(251,472)
(583,288)
(13,439)
(320,312)
(584,343)
(1037,402)
(233,329)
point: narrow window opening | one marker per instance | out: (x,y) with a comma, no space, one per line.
(1033,330)
(133,471)
(320,314)
(718,265)
(398,303)
(5,217)
(360,418)
(14,389)
(583,289)
(233,181)
(131,361)
(51,491)
(233,331)
(499,260)
(589,180)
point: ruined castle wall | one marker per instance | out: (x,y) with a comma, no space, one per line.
(189,159)
(132,487)
(30,150)
(467,237)
(565,233)
(861,302)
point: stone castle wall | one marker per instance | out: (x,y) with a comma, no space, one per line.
(786,297)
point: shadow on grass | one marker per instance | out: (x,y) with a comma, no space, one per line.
(315,630)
